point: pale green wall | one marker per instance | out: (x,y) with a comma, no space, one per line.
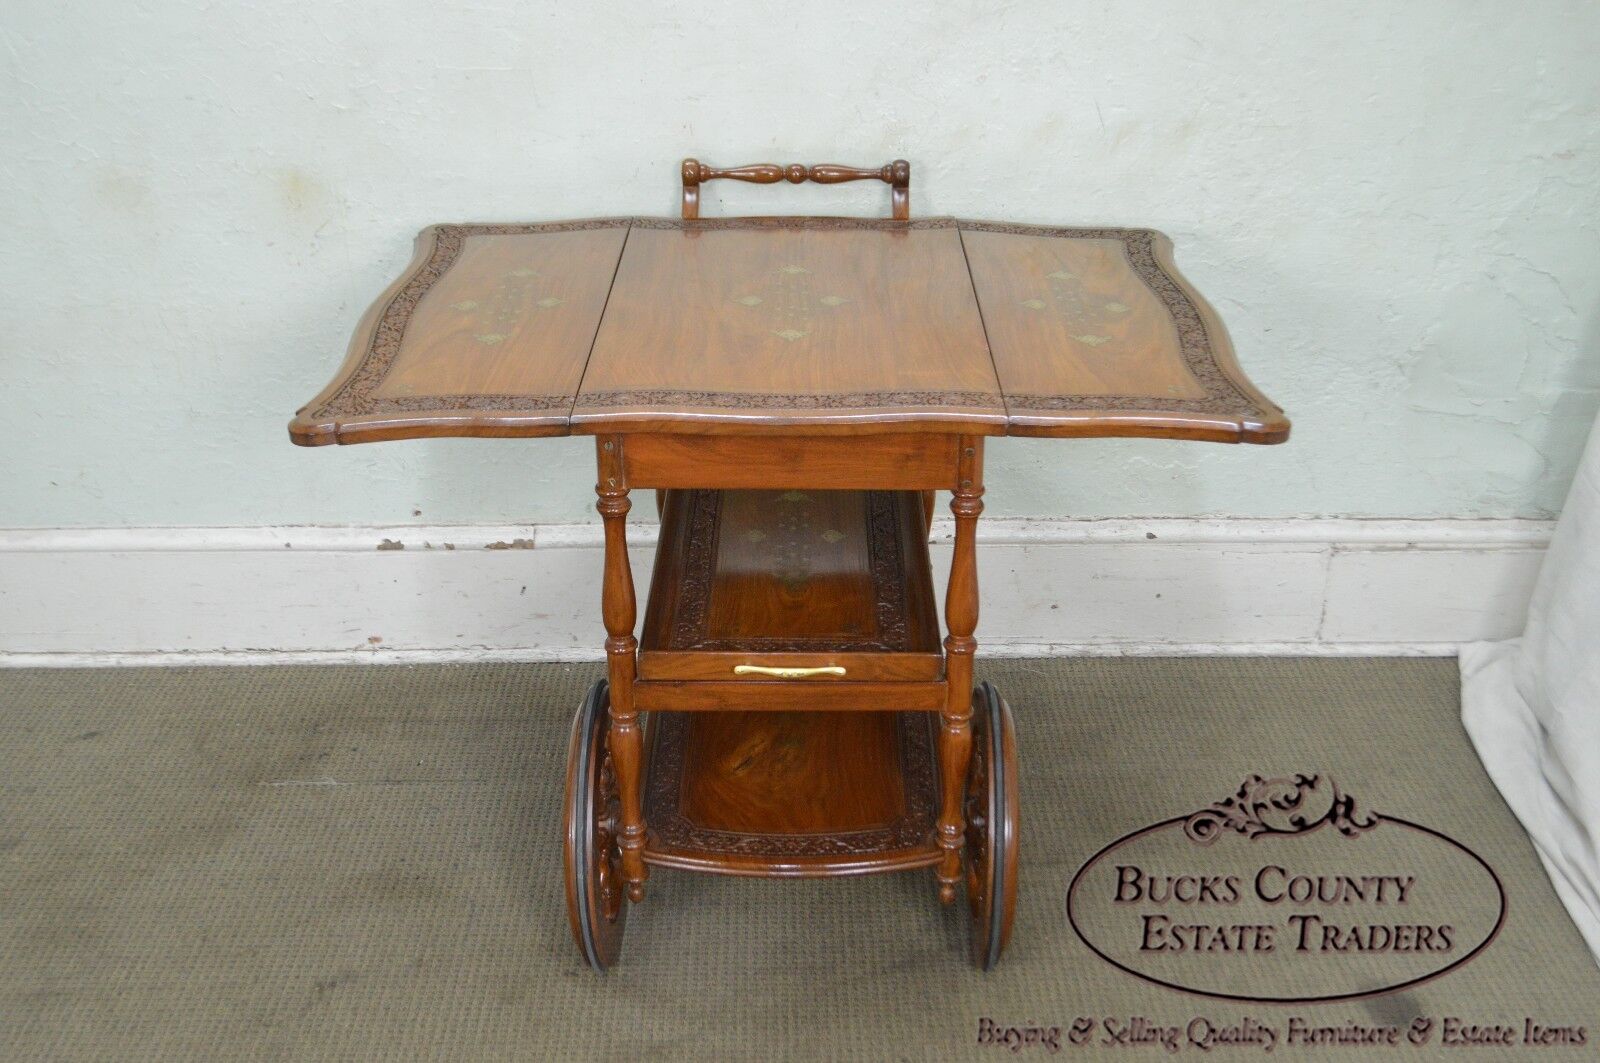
(1392,204)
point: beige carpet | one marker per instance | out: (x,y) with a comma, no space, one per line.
(364,863)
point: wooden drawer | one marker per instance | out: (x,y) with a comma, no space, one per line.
(752,585)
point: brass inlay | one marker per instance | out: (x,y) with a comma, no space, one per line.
(755,535)
(788,302)
(788,673)
(1082,308)
(832,536)
(505,307)
(791,552)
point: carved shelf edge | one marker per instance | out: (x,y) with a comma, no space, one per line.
(688,625)
(677,841)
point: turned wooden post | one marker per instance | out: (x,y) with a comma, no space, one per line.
(618,608)
(961,619)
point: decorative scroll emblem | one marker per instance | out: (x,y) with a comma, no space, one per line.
(1278,806)
(788,300)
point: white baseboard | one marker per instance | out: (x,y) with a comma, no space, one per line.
(475,593)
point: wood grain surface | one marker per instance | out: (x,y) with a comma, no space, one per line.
(799,326)
(791,793)
(1070,317)
(1095,333)
(792,579)
(512,316)
(711,327)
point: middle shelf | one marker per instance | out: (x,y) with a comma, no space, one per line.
(792,579)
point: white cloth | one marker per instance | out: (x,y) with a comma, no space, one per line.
(1532,705)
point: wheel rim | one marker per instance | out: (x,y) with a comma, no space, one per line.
(594,882)
(991,827)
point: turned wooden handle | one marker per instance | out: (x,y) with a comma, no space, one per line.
(896,174)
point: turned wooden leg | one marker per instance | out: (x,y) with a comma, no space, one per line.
(624,740)
(961,619)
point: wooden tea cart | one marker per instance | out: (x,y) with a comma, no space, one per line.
(794,391)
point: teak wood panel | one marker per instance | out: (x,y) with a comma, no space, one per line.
(1095,333)
(1070,316)
(514,315)
(792,579)
(899,461)
(486,333)
(806,326)
(800,695)
(791,793)
(715,327)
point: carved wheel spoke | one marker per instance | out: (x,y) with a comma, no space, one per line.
(977,814)
(607,855)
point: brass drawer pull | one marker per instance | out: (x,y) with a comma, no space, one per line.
(787,673)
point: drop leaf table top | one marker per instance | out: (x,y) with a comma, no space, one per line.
(794,325)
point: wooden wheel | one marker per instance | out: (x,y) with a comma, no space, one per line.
(991,811)
(595,905)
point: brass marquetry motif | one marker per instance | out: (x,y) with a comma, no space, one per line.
(1068,297)
(507,304)
(788,301)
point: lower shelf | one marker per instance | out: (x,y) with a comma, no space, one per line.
(791,794)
